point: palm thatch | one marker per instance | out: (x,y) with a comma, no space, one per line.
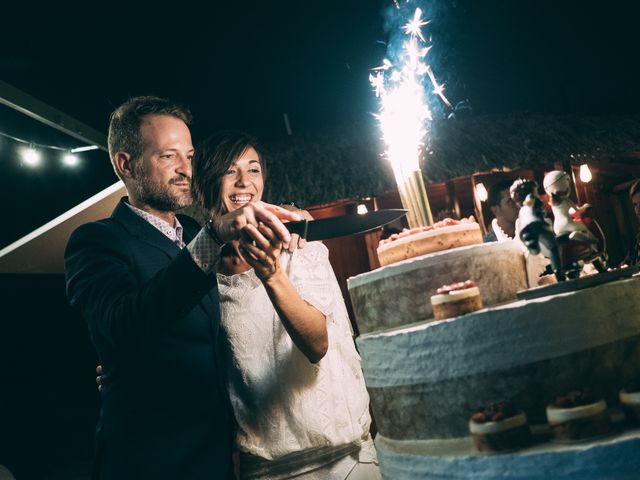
(348,163)
(515,141)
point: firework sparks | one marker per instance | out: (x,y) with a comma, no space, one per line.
(404,115)
(414,27)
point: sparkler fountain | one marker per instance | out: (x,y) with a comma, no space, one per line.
(404,117)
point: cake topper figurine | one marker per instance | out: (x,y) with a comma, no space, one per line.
(557,185)
(567,243)
(578,245)
(534,230)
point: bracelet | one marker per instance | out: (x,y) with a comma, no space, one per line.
(211,231)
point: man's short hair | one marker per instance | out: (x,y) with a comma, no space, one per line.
(635,188)
(124,123)
(495,192)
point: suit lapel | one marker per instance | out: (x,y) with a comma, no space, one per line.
(143,230)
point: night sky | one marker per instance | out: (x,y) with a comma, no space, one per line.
(244,65)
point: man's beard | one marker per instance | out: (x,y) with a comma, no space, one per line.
(157,195)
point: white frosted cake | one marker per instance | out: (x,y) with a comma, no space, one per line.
(398,294)
(445,235)
(425,377)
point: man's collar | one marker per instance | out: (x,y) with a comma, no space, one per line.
(172,232)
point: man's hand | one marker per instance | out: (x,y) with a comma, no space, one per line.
(230,226)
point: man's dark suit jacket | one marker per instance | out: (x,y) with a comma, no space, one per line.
(154,318)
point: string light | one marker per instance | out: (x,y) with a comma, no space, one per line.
(584,171)
(31,154)
(70,160)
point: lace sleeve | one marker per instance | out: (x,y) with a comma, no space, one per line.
(313,277)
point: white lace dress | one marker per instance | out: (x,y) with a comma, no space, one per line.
(294,416)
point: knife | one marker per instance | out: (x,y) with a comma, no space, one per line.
(324,228)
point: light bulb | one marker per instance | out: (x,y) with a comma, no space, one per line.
(585,173)
(481,192)
(70,160)
(31,156)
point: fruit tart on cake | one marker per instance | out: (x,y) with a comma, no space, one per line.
(630,401)
(499,427)
(455,300)
(443,235)
(578,415)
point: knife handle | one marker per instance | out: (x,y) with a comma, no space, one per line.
(299,228)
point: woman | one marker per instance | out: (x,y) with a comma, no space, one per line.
(295,379)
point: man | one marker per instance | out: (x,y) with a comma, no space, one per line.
(144,280)
(505,212)
(633,255)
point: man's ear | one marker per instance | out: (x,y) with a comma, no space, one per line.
(122,162)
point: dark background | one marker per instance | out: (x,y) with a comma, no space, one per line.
(242,65)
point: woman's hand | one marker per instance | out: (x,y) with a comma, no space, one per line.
(260,248)
(230,226)
(296,241)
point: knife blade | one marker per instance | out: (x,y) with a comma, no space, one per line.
(324,228)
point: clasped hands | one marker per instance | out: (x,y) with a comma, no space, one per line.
(259,234)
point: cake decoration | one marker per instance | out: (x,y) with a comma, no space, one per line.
(446,234)
(578,415)
(456,299)
(630,401)
(499,427)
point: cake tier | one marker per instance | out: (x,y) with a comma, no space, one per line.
(614,457)
(439,239)
(399,294)
(425,380)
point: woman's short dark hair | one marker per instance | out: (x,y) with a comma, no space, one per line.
(211,162)
(124,124)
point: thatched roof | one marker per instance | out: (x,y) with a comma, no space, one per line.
(348,163)
(524,141)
